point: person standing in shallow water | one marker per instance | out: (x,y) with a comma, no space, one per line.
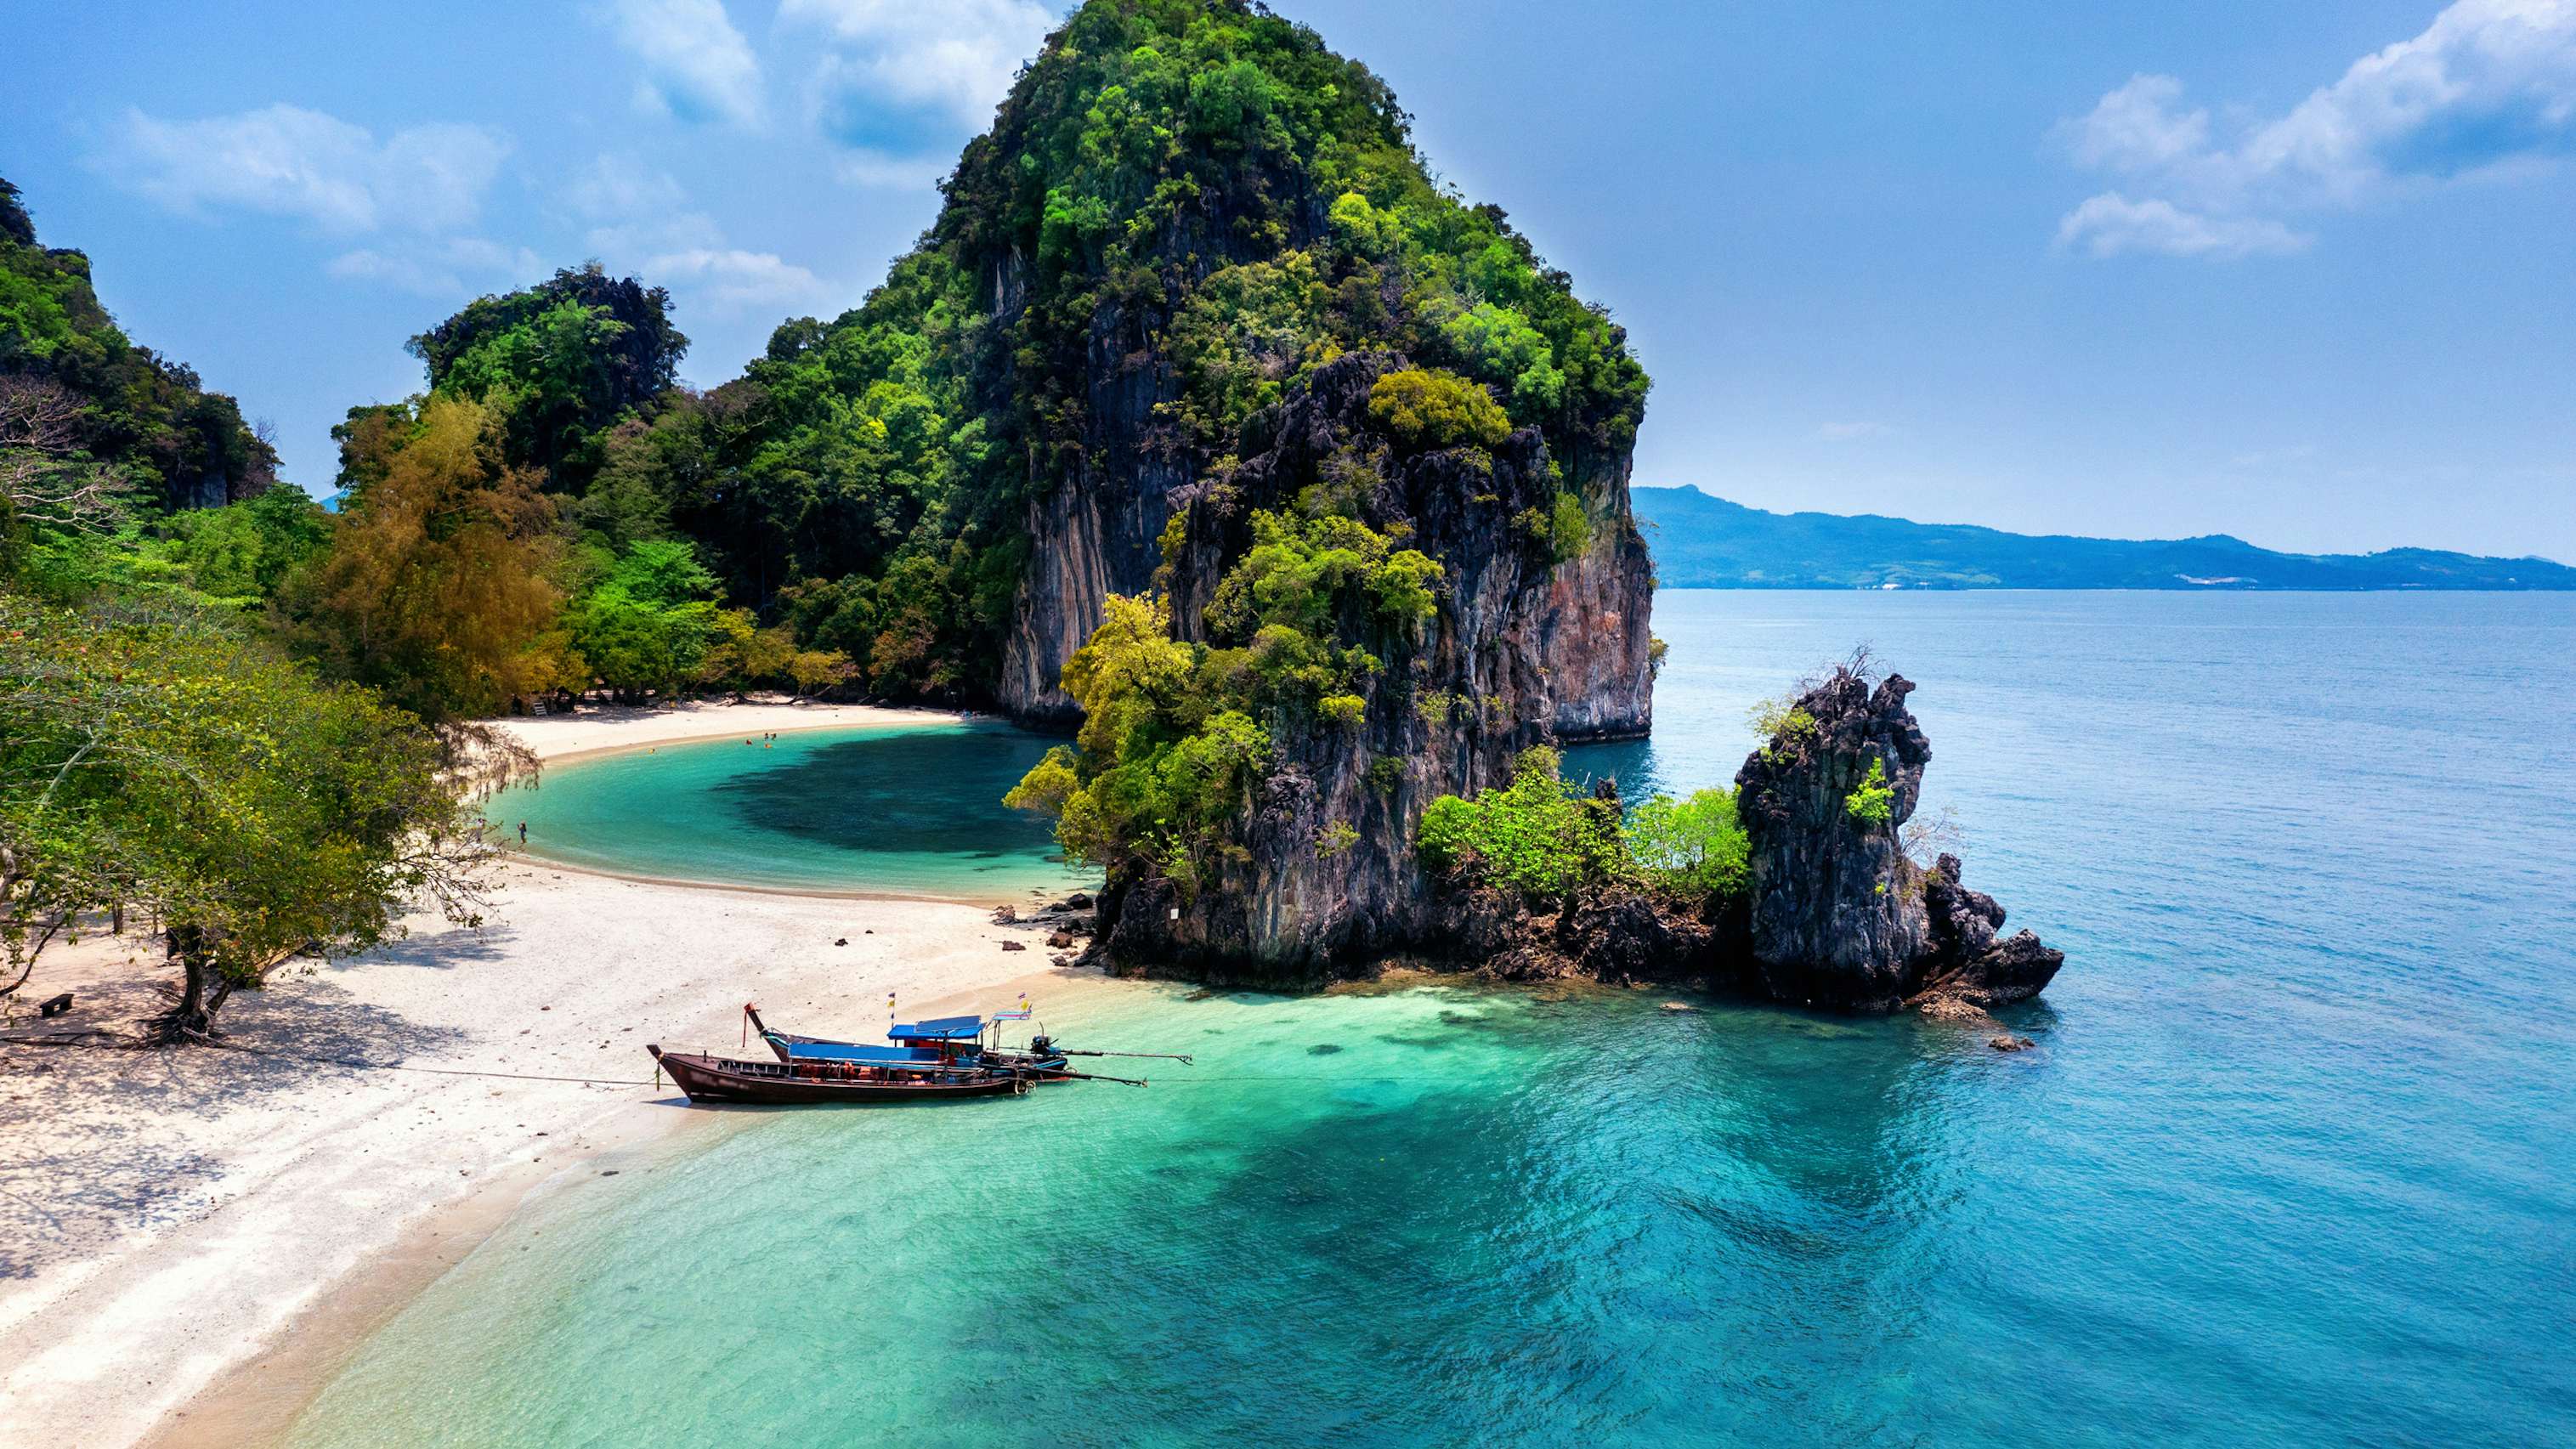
(523,832)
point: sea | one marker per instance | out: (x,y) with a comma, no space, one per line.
(2290,1163)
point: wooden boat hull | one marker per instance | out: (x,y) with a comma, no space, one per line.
(723,1079)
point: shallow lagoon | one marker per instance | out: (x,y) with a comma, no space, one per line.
(2291,1165)
(904,809)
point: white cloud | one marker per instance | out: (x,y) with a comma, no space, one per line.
(634,211)
(288,161)
(733,278)
(458,266)
(2110,224)
(2136,128)
(2488,89)
(617,188)
(640,220)
(955,58)
(696,65)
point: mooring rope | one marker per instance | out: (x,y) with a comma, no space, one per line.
(361,1065)
(431,1071)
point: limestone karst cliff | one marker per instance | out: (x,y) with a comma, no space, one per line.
(1182,210)
(1317,876)
(1836,914)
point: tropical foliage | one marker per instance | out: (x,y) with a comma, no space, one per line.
(171,443)
(1536,835)
(162,759)
(1173,734)
(438,587)
(1540,838)
(1873,800)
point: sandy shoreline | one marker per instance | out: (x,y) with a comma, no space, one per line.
(168,1218)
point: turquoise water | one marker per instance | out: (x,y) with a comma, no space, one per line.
(906,809)
(2290,1166)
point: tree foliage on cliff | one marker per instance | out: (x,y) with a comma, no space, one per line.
(172,443)
(1175,734)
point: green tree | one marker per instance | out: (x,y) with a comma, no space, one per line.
(562,362)
(1694,848)
(1161,763)
(1536,835)
(438,587)
(1424,409)
(1873,800)
(165,760)
(650,623)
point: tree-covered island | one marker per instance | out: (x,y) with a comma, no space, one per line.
(1204,424)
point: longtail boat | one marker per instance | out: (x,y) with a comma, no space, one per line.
(952,1039)
(723,1079)
(929,1061)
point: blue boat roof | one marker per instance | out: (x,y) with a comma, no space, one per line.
(945,1028)
(834,1051)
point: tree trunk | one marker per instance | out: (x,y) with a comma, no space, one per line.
(203,986)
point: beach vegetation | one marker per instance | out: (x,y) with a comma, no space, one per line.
(163,759)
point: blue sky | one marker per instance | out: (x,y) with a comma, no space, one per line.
(2299,272)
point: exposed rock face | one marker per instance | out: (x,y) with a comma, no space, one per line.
(1594,642)
(1838,917)
(1969,964)
(1453,704)
(1095,533)
(1587,622)
(1833,923)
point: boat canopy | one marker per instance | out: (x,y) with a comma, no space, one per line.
(874,1056)
(946,1028)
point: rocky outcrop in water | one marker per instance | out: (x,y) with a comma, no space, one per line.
(1833,920)
(1837,916)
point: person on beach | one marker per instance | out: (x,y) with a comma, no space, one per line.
(523,832)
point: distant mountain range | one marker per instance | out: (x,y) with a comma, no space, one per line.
(1700,542)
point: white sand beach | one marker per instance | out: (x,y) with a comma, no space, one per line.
(166,1217)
